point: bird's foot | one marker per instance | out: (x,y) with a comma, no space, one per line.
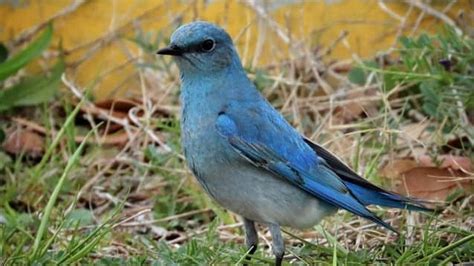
(278,261)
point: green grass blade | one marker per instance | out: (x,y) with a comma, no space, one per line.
(96,237)
(57,139)
(49,207)
(88,243)
(331,239)
(32,90)
(35,49)
(447,248)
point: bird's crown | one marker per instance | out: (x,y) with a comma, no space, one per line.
(195,33)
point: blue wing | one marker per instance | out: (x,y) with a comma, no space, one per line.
(365,191)
(266,140)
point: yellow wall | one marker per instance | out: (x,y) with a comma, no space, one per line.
(369,28)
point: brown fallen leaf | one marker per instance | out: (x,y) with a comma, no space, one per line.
(116,111)
(426,179)
(356,104)
(105,114)
(91,201)
(447,161)
(413,131)
(119,105)
(457,143)
(117,139)
(24,141)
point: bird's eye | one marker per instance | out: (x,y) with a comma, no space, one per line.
(208,45)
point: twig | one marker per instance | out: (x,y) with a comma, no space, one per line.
(390,12)
(435,13)
(102,114)
(121,223)
(254,4)
(132,114)
(27,34)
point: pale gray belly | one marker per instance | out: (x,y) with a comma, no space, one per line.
(258,195)
(241,187)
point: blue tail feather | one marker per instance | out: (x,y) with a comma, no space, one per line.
(366,192)
(369,196)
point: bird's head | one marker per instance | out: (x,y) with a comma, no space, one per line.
(201,47)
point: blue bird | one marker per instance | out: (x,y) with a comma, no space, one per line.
(248,158)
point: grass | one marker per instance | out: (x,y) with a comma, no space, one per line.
(136,203)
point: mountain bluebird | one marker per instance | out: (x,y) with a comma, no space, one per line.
(247,157)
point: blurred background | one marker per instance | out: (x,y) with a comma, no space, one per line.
(104,40)
(90,160)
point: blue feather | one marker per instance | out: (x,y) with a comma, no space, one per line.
(318,180)
(366,192)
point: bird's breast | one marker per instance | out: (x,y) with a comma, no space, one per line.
(203,147)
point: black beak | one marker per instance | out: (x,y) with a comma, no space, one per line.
(171,50)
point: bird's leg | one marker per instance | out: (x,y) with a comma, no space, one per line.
(278,245)
(251,237)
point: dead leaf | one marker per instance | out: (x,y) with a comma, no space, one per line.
(457,143)
(113,110)
(413,131)
(30,125)
(23,141)
(119,105)
(447,161)
(426,179)
(119,138)
(116,139)
(356,104)
(102,113)
(91,201)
